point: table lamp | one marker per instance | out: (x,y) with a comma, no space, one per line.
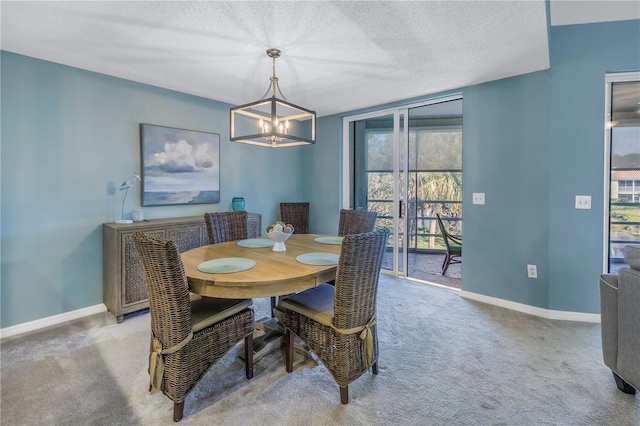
(125,189)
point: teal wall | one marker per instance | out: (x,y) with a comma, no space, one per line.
(580,57)
(322,176)
(505,155)
(531,144)
(69,138)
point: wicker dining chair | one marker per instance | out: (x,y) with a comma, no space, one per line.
(339,323)
(297,214)
(356,222)
(226,226)
(453,245)
(187,337)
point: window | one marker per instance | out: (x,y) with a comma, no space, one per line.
(623,142)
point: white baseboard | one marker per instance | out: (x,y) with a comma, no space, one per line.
(52,320)
(532,310)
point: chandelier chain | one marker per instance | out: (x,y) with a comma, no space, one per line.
(273,83)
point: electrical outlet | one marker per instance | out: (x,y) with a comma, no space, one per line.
(478,198)
(532,271)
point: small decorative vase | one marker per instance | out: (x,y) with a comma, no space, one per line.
(237,203)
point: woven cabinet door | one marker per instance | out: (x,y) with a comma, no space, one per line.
(135,289)
(253,225)
(188,237)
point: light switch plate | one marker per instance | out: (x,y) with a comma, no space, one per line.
(478,198)
(583,201)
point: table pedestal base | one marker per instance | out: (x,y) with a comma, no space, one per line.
(269,336)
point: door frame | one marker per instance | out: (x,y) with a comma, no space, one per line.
(609,79)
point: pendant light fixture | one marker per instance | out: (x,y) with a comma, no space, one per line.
(271,121)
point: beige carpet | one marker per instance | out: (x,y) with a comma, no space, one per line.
(444,361)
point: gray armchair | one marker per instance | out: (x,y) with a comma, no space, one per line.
(620,318)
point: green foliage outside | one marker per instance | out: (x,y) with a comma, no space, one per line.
(625,213)
(435,182)
(625,161)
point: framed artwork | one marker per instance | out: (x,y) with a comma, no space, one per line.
(179,166)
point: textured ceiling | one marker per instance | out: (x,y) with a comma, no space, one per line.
(570,12)
(337,55)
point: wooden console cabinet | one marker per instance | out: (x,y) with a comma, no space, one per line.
(124,290)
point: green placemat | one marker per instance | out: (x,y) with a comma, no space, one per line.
(256,243)
(318,258)
(226,265)
(329,240)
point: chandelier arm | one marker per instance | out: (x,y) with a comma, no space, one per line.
(267,92)
(279,91)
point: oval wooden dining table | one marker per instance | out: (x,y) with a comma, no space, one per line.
(275,273)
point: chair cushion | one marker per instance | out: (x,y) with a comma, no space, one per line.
(315,303)
(455,248)
(631,256)
(209,310)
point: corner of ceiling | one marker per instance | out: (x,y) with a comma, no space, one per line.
(547,5)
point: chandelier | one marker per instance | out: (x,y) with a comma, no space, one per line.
(273,122)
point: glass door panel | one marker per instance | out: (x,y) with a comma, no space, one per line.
(435,183)
(377,178)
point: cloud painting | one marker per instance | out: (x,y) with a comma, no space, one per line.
(179,166)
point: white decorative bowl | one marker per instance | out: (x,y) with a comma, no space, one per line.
(279,238)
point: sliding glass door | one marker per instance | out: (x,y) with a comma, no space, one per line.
(406,165)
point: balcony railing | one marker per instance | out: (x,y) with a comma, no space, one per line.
(421,238)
